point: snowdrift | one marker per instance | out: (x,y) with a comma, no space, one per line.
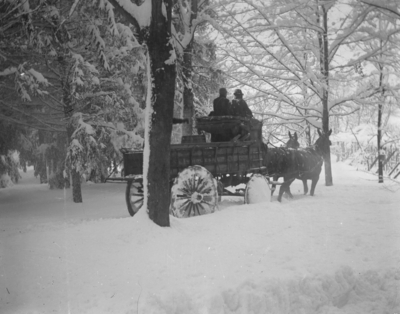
(336,252)
(344,292)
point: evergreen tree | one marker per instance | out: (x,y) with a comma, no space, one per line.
(63,70)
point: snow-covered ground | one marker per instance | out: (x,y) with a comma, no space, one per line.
(336,252)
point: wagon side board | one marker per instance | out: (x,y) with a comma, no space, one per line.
(218,158)
(221,158)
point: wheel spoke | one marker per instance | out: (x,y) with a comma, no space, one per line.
(192,181)
(190,205)
(185,190)
(183,196)
(134,196)
(185,203)
(207,198)
(208,203)
(199,182)
(197,208)
(202,207)
(138,201)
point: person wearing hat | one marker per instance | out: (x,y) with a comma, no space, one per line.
(239,106)
(222,105)
(240,109)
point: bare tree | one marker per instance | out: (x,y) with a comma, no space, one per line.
(293,59)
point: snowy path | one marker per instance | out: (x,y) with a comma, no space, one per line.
(337,252)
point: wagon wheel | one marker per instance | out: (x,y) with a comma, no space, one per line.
(257,190)
(194,193)
(134,195)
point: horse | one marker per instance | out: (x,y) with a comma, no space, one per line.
(293,141)
(303,164)
(275,155)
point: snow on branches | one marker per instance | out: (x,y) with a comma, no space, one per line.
(306,52)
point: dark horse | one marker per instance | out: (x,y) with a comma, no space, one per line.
(293,141)
(274,156)
(303,164)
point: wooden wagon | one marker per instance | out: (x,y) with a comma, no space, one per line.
(200,172)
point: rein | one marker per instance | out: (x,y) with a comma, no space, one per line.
(271,144)
(277,139)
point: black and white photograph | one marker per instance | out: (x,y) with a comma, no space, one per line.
(199,157)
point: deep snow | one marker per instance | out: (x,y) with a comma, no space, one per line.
(336,252)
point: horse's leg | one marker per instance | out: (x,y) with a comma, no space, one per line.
(288,192)
(273,186)
(314,184)
(285,187)
(281,190)
(305,185)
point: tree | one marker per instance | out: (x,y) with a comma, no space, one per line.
(66,59)
(291,57)
(153,22)
(205,80)
(190,15)
(381,52)
(391,7)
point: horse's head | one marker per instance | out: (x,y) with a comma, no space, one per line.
(292,142)
(322,144)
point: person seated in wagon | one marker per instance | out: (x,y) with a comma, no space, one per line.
(221,105)
(241,109)
(238,108)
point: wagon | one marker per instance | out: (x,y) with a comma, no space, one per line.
(201,172)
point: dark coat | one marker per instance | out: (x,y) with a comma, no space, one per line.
(240,109)
(222,107)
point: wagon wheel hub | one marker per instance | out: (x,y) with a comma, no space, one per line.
(196,198)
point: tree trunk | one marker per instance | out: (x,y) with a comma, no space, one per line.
(75,175)
(68,112)
(41,167)
(308,134)
(65,70)
(324,66)
(57,180)
(188,96)
(163,74)
(379,136)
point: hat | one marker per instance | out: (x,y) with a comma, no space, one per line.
(238,92)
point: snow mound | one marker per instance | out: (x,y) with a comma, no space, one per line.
(344,292)
(5,181)
(257,190)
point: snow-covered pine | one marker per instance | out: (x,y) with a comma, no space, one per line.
(97,70)
(9,173)
(85,152)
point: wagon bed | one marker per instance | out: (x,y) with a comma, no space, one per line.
(200,171)
(219,159)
